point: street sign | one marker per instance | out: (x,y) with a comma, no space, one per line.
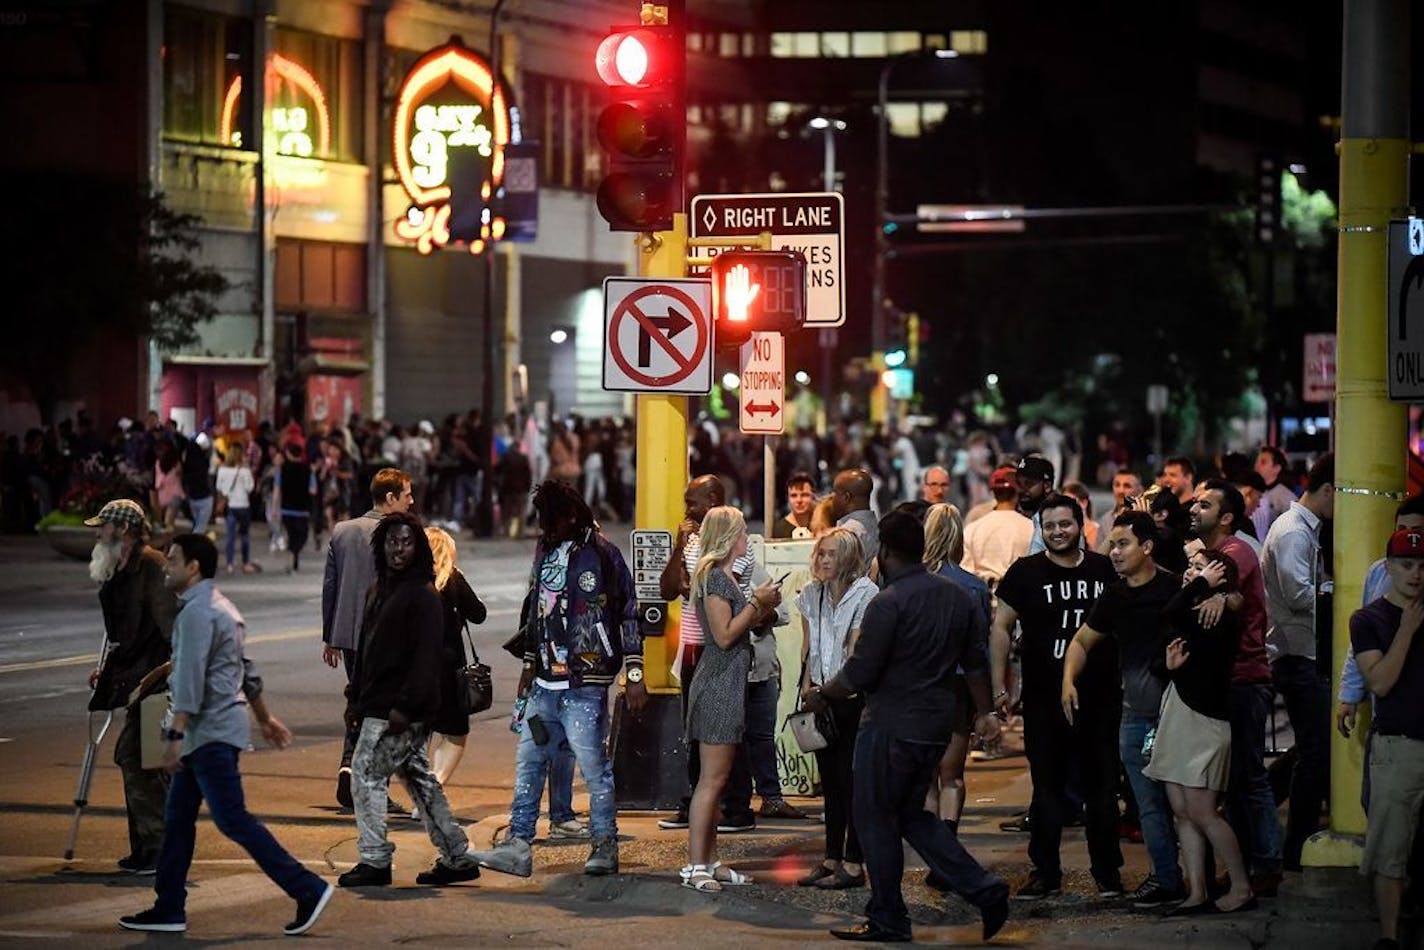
(812,223)
(1406,310)
(651,552)
(657,335)
(763,385)
(1318,373)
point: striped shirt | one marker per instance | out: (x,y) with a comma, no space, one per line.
(690,629)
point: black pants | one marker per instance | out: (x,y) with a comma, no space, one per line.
(737,795)
(348,746)
(1307,697)
(835,763)
(892,777)
(1250,803)
(296,527)
(1055,751)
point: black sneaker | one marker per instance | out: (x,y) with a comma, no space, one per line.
(151,920)
(1018,823)
(442,874)
(1151,894)
(365,875)
(1036,889)
(678,820)
(343,787)
(730,826)
(308,912)
(1109,888)
(143,865)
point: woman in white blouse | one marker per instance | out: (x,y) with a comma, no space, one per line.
(831,607)
(235,487)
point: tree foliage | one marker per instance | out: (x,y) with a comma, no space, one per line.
(94,262)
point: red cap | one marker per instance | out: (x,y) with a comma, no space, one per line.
(1005,476)
(1406,542)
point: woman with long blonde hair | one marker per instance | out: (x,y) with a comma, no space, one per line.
(831,607)
(716,699)
(944,548)
(450,727)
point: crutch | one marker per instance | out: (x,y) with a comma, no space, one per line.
(91,751)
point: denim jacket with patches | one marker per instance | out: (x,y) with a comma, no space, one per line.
(594,622)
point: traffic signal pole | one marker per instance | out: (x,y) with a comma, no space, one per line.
(1370,430)
(662,455)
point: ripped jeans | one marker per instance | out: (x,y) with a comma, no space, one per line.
(378,756)
(579,715)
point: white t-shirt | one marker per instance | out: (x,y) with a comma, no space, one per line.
(995,541)
(236,484)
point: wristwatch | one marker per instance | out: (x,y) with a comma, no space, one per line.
(635,674)
(172,735)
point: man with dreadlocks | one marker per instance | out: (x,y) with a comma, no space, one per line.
(580,628)
(394,693)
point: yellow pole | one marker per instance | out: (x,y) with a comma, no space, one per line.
(1370,431)
(662,456)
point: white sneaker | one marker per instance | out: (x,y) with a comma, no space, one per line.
(565,830)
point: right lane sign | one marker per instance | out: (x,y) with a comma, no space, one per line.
(812,223)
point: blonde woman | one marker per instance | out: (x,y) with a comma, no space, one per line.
(236,488)
(460,604)
(716,699)
(831,607)
(944,548)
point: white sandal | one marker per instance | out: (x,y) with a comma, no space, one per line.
(732,875)
(699,877)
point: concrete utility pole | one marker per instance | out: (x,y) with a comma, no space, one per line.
(1370,431)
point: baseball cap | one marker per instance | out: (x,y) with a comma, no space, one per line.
(1406,542)
(426,427)
(1036,468)
(124,512)
(1003,477)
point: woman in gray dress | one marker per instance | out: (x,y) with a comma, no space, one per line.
(716,699)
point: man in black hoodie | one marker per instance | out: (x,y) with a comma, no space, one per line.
(394,693)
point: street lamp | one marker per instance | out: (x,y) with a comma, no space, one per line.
(828,128)
(882,188)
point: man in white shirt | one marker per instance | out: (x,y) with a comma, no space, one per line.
(1276,499)
(1290,566)
(1002,536)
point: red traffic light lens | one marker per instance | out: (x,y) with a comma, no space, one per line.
(637,201)
(626,129)
(626,58)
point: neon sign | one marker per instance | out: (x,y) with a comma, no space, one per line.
(296,109)
(448,104)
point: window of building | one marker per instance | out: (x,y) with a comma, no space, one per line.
(904,119)
(206,60)
(730,45)
(936,41)
(694,42)
(835,44)
(902,42)
(749,44)
(778,112)
(867,44)
(932,114)
(320,276)
(782,44)
(969,41)
(806,45)
(315,74)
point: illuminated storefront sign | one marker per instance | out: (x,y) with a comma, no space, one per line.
(450,114)
(298,120)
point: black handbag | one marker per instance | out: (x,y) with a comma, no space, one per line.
(476,685)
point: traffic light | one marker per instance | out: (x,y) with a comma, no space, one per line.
(644,128)
(757,290)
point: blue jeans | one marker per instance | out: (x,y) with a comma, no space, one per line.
(760,739)
(210,773)
(1154,813)
(561,785)
(202,509)
(578,717)
(239,523)
(467,494)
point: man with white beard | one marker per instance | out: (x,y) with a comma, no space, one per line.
(138,612)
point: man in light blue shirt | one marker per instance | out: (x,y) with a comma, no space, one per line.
(208,730)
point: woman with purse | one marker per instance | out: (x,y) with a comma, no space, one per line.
(461,605)
(831,607)
(716,699)
(235,488)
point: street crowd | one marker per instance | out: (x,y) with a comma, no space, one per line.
(1142,653)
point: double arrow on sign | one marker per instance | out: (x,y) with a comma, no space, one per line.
(757,408)
(672,324)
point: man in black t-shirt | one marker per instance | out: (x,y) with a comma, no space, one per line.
(1385,637)
(1050,595)
(1130,613)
